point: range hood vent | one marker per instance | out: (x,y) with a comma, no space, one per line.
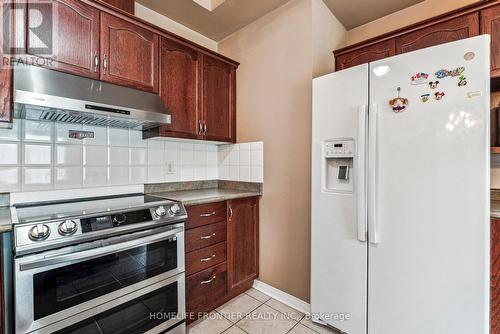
(47,95)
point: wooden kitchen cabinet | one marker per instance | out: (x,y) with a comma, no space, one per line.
(6,76)
(219,100)
(366,54)
(179,86)
(448,31)
(125,5)
(243,241)
(76,40)
(490,24)
(495,277)
(129,54)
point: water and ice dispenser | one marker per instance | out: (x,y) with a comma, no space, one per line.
(338,159)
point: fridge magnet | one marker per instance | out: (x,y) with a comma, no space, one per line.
(399,103)
(439,95)
(446,73)
(433,84)
(425,97)
(469,56)
(419,78)
(462,81)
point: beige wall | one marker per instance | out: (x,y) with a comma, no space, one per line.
(407,16)
(327,34)
(170,25)
(274,106)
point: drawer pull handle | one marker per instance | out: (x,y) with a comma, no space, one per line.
(207,236)
(209,281)
(208,258)
(207,214)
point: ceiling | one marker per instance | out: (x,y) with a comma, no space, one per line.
(231,15)
(353,13)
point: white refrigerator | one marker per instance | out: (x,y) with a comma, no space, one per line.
(400,193)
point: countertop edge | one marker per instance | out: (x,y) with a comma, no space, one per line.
(212,199)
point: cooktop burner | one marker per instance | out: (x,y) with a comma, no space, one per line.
(47,225)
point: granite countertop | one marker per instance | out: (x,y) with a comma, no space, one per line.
(201,196)
(5,219)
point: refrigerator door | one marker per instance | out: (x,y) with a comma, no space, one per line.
(339,250)
(429,192)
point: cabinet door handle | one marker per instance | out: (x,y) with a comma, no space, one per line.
(204,128)
(105,63)
(207,214)
(200,127)
(208,281)
(207,236)
(96,62)
(208,258)
(230,212)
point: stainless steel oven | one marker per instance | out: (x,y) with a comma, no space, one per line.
(129,283)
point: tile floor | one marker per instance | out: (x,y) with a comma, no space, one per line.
(254,312)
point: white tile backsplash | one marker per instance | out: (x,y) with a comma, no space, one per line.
(241,162)
(41,156)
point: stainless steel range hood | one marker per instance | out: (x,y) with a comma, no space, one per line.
(46,95)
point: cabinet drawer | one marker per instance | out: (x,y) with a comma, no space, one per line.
(206,289)
(205,258)
(204,214)
(205,236)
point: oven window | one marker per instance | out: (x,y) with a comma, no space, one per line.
(64,287)
(134,317)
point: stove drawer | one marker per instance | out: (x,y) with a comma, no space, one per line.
(205,258)
(205,236)
(204,214)
(205,290)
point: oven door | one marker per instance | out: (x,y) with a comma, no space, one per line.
(158,308)
(55,285)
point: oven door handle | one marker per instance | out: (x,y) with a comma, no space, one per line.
(106,247)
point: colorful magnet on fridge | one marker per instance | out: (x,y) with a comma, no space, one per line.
(419,78)
(425,97)
(399,104)
(439,95)
(446,73)
(433,84)
(462,81)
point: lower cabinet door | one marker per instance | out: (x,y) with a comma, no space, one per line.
(243,246)
(495,277)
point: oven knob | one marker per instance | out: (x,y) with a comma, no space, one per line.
(67,227)
(174,209)
(39,232)
(160,211)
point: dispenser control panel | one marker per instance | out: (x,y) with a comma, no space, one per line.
(339,149)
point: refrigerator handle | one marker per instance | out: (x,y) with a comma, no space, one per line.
(372,175)
(361,174)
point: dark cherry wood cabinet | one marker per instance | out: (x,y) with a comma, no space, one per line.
(243,241)
(6,77)
(218,100)
(125,5)
(490,24)
(76,40)
(129,54)
(367,54)
(495,277)
(221,253)
(448,31)
(180,69)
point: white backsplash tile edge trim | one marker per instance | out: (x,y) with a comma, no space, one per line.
(57,195)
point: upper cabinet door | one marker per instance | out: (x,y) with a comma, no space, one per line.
(179,87)
(129,54)
(366,54)
(219,90)
(452,30)
(490,24)
(75,46)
